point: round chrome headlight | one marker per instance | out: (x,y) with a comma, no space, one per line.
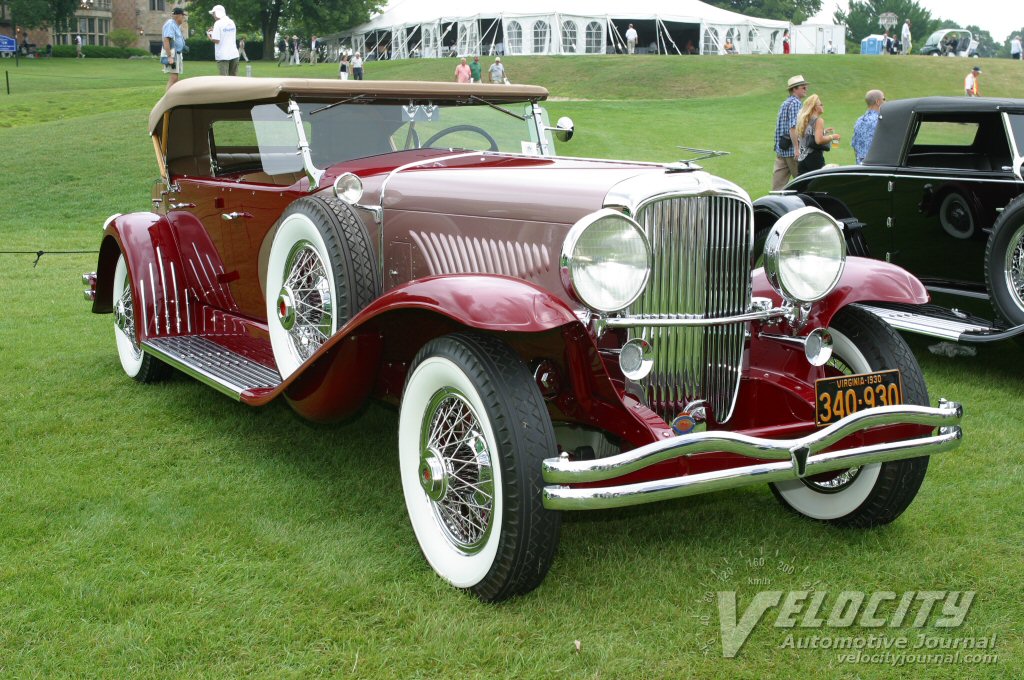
(804,255)
(606,261)
(348,187)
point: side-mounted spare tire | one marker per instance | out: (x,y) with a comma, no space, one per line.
(1004,263)
(321,271)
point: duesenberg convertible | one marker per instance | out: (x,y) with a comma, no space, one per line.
(557,333)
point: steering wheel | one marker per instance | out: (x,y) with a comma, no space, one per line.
(463,128)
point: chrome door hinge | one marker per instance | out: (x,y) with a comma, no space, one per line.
(890,186)
(888,222)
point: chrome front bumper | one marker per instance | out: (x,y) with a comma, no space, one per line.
(797,458)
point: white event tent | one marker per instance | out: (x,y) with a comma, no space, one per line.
(443,28)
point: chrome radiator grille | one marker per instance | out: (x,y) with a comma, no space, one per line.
(701,269)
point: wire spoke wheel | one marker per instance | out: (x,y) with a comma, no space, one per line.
(1014,267)
(137,364)
(306,303)
(456,471)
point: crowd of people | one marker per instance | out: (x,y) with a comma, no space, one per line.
(802,137)
(467,72)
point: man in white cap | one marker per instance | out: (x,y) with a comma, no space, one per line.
(225,48)
(497,71)
(787,143)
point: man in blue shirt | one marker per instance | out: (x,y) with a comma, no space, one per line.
(174,45)
(864,128)
(785,131)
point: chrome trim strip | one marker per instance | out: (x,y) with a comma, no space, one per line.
(142,297)
(956,291)
(177,305)
(634,321)
(163,289)
(894,175)
(560,471)
(156,308)
(568,498)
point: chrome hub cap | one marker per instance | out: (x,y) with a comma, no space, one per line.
(433,475)
(455,471)
(1014,267)
(305,306)
(286,309)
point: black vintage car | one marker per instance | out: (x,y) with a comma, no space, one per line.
(940,194)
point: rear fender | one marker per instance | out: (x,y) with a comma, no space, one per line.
(863,280)
(155,267)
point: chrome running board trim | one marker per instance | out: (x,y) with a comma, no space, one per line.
(944,329)
(206,361)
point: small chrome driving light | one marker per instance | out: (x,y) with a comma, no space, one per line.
(636,359)
(804,255)
(605,261)
(818,347)
(348,187)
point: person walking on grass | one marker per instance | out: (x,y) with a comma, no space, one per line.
(905,38)
(357,67)
(864,128)
(462,72)
(173,44)
(631,38)
(241,50)
(225,50)
(497,72)
(475,70)
(787,145)
(1015,50)
(78,47)
(971,82)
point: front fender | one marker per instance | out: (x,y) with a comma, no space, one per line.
(863,280)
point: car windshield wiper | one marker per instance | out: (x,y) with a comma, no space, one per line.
(474,98)
(338,103)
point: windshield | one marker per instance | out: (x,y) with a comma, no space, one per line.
(344,132)
(1017,130)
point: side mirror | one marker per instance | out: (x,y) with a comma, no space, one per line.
(563,129)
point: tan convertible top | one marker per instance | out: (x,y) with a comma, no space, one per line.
(229,90)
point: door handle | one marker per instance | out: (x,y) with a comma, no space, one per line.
(179,206)
(227,217)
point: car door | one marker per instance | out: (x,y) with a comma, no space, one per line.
(863,190)
(955,171)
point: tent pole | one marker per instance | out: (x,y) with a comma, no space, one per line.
(669,36)
(621,44)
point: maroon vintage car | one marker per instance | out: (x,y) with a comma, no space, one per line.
(558,333)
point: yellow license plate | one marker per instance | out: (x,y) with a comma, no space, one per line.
(844,395)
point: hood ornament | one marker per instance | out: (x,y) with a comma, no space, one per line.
(689,164)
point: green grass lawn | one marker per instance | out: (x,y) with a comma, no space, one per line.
(167,531)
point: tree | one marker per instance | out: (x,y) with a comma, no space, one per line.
(862,20)
(123,37)
(987,46)
(270,17)
(795,11)
(40,13)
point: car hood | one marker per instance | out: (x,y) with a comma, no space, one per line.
(553,190)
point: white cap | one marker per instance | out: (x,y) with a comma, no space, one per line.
(218,11)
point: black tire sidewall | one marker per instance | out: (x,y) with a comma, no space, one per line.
(1009,224)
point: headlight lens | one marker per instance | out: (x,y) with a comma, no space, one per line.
(606,261)
(348,187)
(804,255)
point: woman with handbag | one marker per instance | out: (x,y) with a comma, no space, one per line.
(814,137)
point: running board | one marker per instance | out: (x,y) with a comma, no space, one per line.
(945,327)
(213,364)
